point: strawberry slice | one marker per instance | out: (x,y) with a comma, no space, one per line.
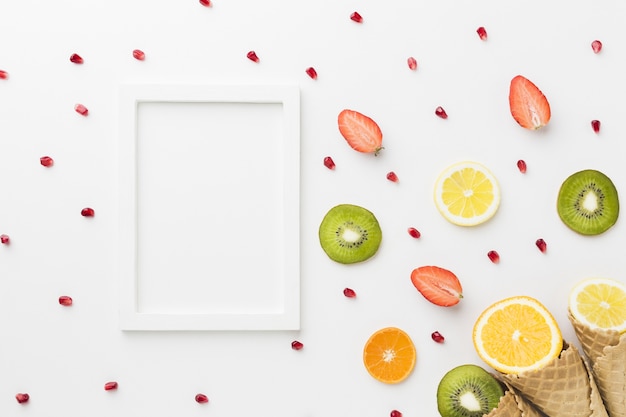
(361,132)
(529,107)
(437,285)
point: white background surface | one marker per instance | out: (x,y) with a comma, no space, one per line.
(63,356)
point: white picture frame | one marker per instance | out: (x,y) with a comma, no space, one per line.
(209,213)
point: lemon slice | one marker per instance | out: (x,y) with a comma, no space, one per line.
(467,194)
(599,303)
(516,335)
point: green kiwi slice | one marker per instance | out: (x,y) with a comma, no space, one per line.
(588,202)
(468,391)
(350,234)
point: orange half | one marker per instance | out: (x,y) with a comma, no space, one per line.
(389,355)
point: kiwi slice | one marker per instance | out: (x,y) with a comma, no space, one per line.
(350,234)
(468,391)
(588,202)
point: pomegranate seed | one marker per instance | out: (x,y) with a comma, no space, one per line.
(46,161)
(482,33)
(311,73)
(493,256)
(295,345)
(3,75)
(437,337)
(4,239)
(391,176)
(202,399)
(206,3)
(414,233)
(412,63)
(356,17)
(139,55)
(541,244)
(349,292)
(22,398)
(595,125)
(439,111)
(252,56)
(596,46)
(87,212)
(80,109)
(110,386)
(77,59)
(521,165)
(329,163)
(395,413)
(65,300)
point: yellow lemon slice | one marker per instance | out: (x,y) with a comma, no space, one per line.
(599,303)
(389,355)
(517,334)
(467,193)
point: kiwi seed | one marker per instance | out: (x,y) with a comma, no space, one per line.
(350,234)
(468,391)
(588,202)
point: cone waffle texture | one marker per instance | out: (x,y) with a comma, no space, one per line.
(606,351)
(563,388)
(513,405)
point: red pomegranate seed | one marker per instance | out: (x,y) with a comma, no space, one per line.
(80,109)
(329,163)
(391,176)
(356,17)
(349,292)
(295,345)
(595,125)
(202,399)
(439,111)
(46,161)
(22,398)
(87,212)
(395,413)
(206,3)
(139,55)
(77,59)
(521,165)
(110,386)
(541,244)
(4,239)
(65,300)
(412,63)
(311,73)
(493,256)
(482,33)
(437,337)
(596,46)
(252,56)
(3,75)
(414,233)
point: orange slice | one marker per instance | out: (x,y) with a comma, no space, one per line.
(517,334)
(389,355)
(599,303)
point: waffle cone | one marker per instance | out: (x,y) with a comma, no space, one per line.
(606,351)
(513,405)
(563,388)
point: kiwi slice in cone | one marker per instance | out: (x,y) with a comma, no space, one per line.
(588,202)
(350,234)
(468,391)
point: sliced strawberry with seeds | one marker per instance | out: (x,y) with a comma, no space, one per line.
(529,107)
(437,285)
(361,132)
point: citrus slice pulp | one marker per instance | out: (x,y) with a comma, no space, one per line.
(517,334)
(389,355)
(599,303)
(467,193)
